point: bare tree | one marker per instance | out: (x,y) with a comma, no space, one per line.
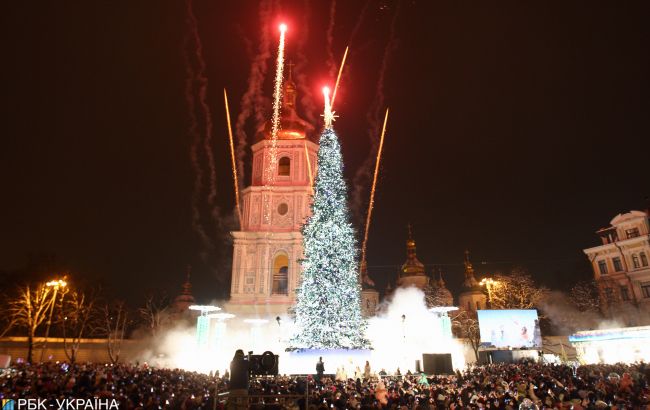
(468,327)
(435,296)
(7,322)
(112,323)
(155,314)
(77,312)
(585,296)
(516,290)
(608,296)
(29,309)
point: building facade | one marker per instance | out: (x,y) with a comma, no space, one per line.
(621,267)
(267,249)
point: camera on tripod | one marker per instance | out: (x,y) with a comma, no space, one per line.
(265,364)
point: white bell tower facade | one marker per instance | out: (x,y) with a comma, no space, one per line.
(265,267)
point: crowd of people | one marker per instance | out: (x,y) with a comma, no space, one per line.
(496,386)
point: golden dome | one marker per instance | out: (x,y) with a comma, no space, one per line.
(412,266)
(292,127)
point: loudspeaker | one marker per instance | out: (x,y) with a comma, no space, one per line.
(507,356)
(265,364)
(437,363)
(418,369)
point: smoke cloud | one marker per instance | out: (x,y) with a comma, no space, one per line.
(329,36)
(253,101)
(306,98)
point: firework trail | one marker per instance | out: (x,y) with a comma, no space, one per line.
(306,100)
(252,102)
(275,120)
(359,22)
(197,186)
(232,157)
(371,203)
(328,114)
(329,37)
(362,175)
(202,81)
(338,78)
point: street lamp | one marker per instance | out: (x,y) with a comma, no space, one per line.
(489,283)
(56,284)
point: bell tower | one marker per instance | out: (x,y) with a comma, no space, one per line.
(473,297)
(267,250)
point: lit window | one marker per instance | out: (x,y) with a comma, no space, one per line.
(635,261)
(632,233)
(644,259)
(284,167)
(625,294)
(280,275)
(617,264)
(602,267)
(645,289)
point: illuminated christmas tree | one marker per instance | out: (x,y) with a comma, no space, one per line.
(328,309)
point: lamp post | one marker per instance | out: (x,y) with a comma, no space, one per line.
(488,283)
(56,284)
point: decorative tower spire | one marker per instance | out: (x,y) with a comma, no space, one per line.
(289,93)
(187,286)
(412,266)
(441,281)
(366,282)
(290,66)
(185,299)
(470,281)
(437,293)
(412,271)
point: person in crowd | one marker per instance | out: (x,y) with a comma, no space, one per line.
(320,369)
(526,385)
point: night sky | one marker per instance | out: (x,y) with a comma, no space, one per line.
(517,129)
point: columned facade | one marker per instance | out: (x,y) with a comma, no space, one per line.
(621,266)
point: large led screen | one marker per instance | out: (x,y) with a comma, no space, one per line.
(509,328)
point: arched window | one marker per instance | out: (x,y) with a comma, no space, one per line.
(284,166)
(280,275)
(635,261)
(644,259)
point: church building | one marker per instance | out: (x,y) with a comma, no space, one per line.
(267,249)
(473,296)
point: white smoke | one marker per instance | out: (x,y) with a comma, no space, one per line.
(395,342)
(405,329)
